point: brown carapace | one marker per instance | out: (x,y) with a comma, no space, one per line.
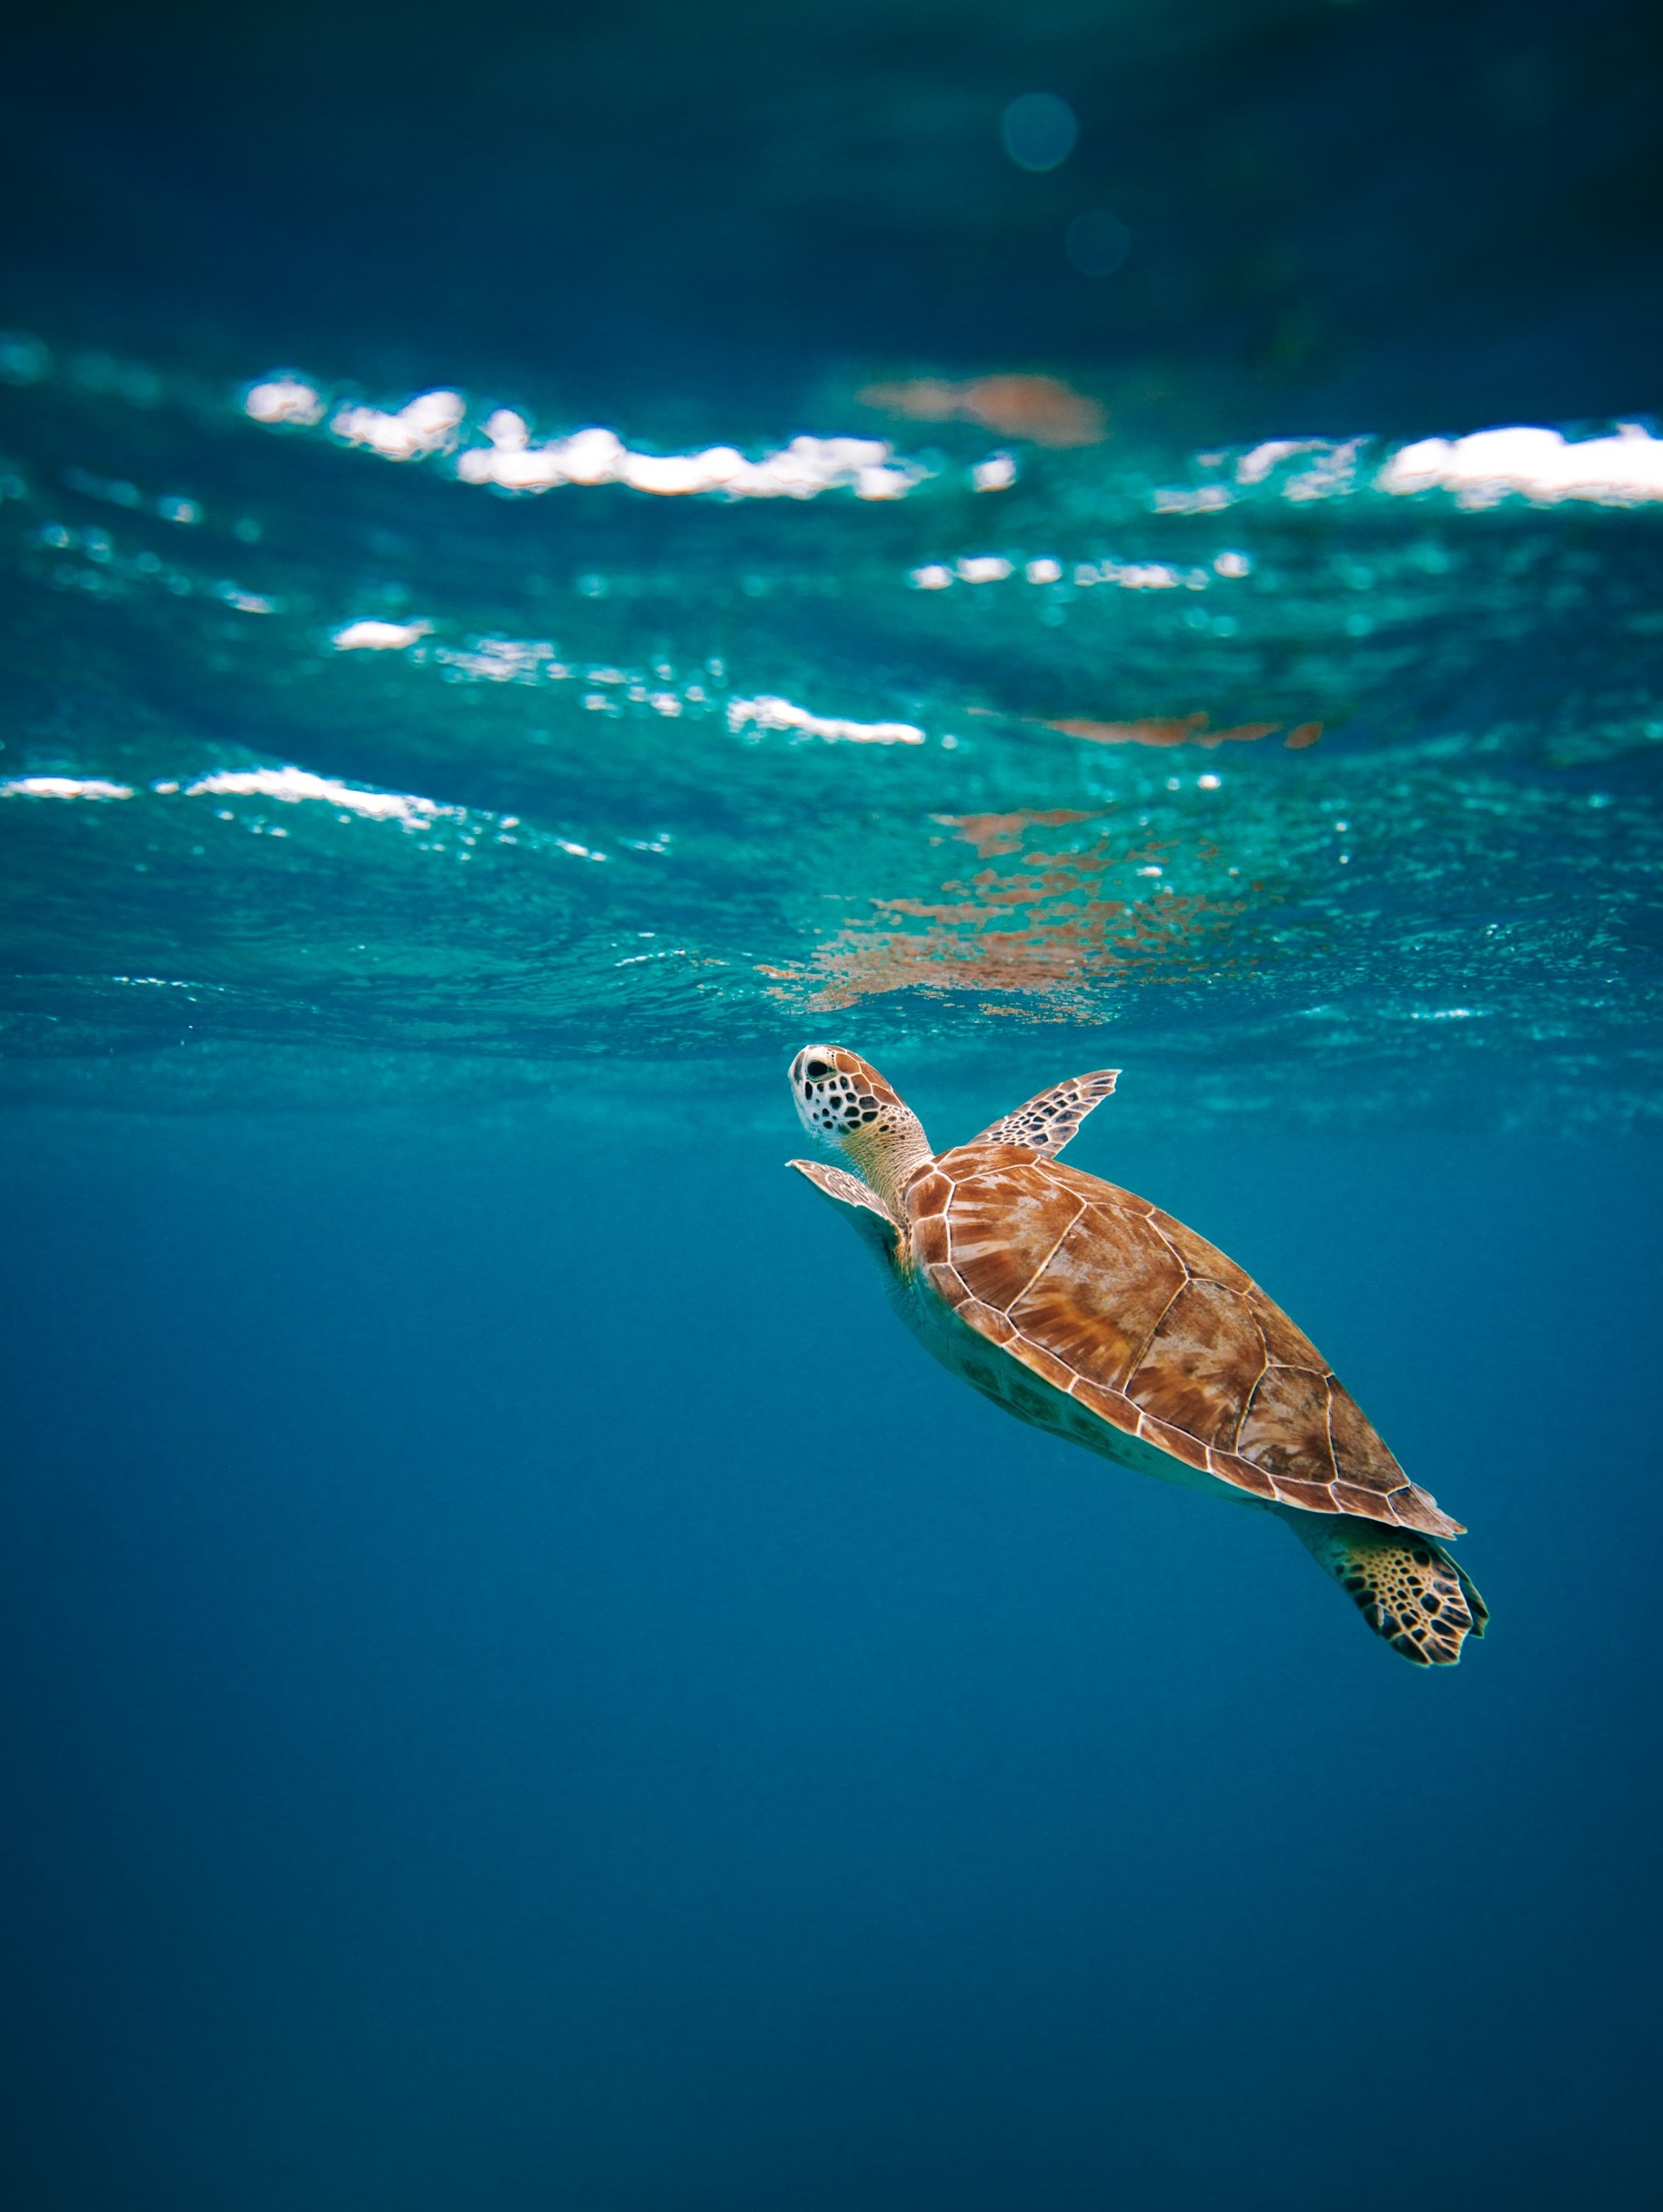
(1085,1309)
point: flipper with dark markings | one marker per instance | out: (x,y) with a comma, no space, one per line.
(1046,1123)
(1406,1585)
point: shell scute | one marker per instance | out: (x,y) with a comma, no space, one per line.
(930,1242)
(1038,1361)
(1180,1443)
(946,1283)
(1005,1232)
(1200,1257)
(991,1322)
(1109,1405)
(1412,1507)
(1360,1455)
(1231,1467)
(1284,1429)
(971,1160)
(1352,1498)
(1314,1497)
(1065,1307)
(928,1195)
(1200,1364)
(1091,1188)
(1284,1346)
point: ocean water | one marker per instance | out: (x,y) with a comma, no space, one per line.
(543,573)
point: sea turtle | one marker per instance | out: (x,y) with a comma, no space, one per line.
(1090,1312)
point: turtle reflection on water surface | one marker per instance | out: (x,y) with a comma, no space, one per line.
(1090,1312)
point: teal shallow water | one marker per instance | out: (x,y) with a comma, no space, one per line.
(1309,784)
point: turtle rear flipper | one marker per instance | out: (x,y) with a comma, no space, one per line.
(1406,1586)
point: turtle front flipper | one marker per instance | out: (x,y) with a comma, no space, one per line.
(1046,1123)
(858,1205)
(1406,1586)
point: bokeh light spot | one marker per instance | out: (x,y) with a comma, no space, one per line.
(1039,130)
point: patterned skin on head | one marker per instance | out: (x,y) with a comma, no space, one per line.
(837,1092)
(844,1102)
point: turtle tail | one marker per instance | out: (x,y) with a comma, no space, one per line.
(1406,1586)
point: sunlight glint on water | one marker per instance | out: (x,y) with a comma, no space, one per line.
(1234,754)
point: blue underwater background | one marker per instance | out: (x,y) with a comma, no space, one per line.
(520,1686)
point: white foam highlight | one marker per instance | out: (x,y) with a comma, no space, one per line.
(63,786)
(1332,474)
(1141,576)
(1196,499)
(371,637)
(1625,470)
(292,785)
(509,459)
(427,424)
(501,661)
(800,470)
(281,399)
(984,568)
(770,713)
(1257,463)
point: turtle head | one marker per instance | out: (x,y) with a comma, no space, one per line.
(844,1102)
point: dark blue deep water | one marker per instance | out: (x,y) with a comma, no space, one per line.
(546,563)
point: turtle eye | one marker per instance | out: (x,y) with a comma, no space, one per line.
(817,1068)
